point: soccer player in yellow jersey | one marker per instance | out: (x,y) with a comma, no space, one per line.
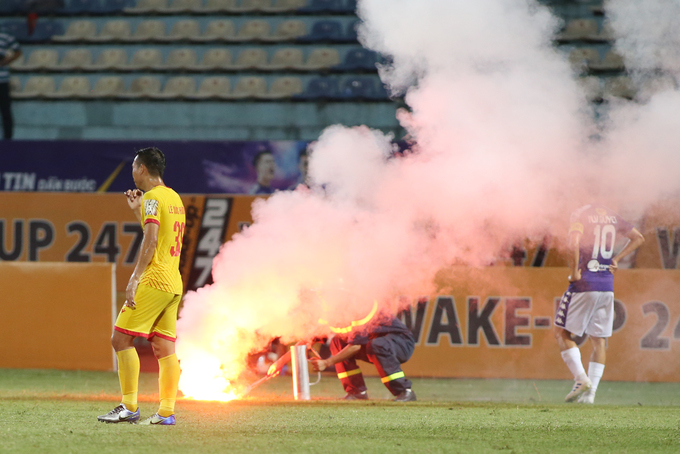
(153,292)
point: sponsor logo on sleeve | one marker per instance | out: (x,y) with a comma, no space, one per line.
(151,207)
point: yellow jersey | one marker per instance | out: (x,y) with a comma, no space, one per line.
(163,206)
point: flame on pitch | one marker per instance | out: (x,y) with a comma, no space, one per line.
(203,378)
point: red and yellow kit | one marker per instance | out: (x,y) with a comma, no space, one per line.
(160,287)
(163,206)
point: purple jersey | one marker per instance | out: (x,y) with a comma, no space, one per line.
(600,228)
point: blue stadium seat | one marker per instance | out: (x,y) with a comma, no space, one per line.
(44,31)
(356,88)
(324,30)
(16,29)
(10,7)
(44,6)
(114,6)
(349,7)
(75,7)
(359,59)
(321,6)
(320,88)
(351,35)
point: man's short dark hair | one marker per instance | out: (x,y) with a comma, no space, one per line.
(258,155)
(153,159)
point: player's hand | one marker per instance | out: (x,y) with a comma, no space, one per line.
(130,292)
(318,365)
(614,266)
(575,277)
(134,198)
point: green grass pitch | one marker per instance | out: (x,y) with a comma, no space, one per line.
(55,412)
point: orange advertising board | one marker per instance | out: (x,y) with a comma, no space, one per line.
(497,322)
(57,315)
(100,228)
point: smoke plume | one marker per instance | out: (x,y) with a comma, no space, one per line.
(504,147)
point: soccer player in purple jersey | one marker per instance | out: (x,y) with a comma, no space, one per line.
(588,304)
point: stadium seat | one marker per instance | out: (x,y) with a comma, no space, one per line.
(350,7)
(219,6)
(176,87)
(253,30)
(212,87)
(283,87)
(250,59)
(612,61)
(114,30)
(148,7)
(149,30)
(44,31)
(76,7)
(351,35)
(75,59)
(108,87)
(288,30)
(579,29)
(111,59)
(14,85)
(607,33)
(591,87)
(184,30)
(320,88)
(582,57)
(250,6)
(324,30)
(182,59)
(142,87)
(321,6)
(18,64)
(72,87)
(321,58)
(619,87)
(286,58)
(41,59)
(16,29)
(213,59)
(359,59)
(37,87)
(217,30)
(283,6)
(11,7)
(183,6)
(146,59)
(114,6)
(249,87)
(79,30)
(358,88)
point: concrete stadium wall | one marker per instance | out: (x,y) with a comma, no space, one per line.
(218,120)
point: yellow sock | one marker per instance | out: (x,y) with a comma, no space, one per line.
(128,374)
(168,379)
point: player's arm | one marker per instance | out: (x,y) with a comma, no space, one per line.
(636,239)
(573,255)
(146,251)
(346,353)
(134,200)
(9,59)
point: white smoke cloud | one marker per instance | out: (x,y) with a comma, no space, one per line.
(502,152)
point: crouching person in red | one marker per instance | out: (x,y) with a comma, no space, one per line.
(386,343)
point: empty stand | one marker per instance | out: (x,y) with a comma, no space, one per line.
(212,88)
(108,87)
(36,87)
(283,87)
(72,87)
(176,87)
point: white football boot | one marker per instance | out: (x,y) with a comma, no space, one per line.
(580,386)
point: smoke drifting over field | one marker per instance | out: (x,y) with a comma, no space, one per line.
(503,150)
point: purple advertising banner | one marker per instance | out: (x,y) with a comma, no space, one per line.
(207,167)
